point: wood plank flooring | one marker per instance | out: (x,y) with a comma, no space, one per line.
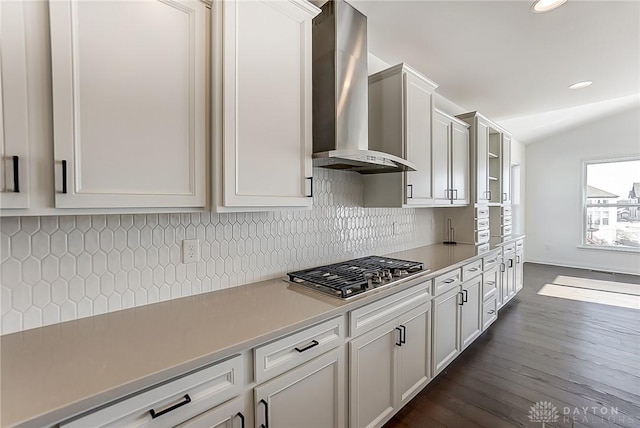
(584,358)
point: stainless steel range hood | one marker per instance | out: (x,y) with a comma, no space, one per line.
(340,94)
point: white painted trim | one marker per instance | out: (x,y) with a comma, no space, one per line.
(569,265)
(607,248)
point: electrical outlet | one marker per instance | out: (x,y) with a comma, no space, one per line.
(190,251)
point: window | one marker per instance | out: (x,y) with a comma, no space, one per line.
(612,204)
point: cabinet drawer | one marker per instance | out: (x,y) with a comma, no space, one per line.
(491,260)
(482,212)
(471,270)
(509,248)
(490,284)
(489,312)
(507,220)
(446,282)
(377,313)
(483,236)
(506,230)
(519,244)
(506,210)
(483,248)
(482,224)
(173,402)
(288,352)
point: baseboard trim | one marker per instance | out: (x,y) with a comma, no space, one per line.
(568,265)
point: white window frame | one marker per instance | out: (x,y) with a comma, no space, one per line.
(585,205)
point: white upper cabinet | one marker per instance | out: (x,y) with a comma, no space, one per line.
(129,99)
(481,132)
(450,160)
(14,125)
(262,104)
(400,114)
(505,177)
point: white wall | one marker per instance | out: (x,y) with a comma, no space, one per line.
(553,191)
(518,200)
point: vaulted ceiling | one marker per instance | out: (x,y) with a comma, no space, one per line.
(501,59)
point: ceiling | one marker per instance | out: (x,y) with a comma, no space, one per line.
(501,59)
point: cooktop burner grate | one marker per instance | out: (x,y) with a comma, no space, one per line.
(352,276)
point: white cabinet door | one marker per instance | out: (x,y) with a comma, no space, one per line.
(440,158)
(482,162)
(227,415)
(471,318)
(506,169)
(311,395)
(418,139)
(460,164)
(446,329)
(414,363)
(264,68)
(14,124)
(129,99)
(519,278)
(508,278)
(372,383)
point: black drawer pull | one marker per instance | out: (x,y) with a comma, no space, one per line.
(465,299)
(490,283)
(16,174)
(510,262)
(266,414)
(491,312)
(450,280)
(410,186)
(461,302)
(473,269)
(241,416)
(64,176)
(155,414)
(399,342)
(311,186)
(313,344)
(403,336)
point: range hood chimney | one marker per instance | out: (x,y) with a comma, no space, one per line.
(340,94)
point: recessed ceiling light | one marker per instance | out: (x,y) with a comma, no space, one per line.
(580,85)
(540,6)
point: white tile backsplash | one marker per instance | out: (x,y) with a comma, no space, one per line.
(55,269)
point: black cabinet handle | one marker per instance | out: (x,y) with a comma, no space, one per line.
(311,183)
(504,196)
(461,302)
(155,414)
(313,344)
(16,174)
(465,298)
(510,262)
(517,259)
(489,193)
(399,342)
(64,176)
(403,336)
(410,186)
(266,414)
(241,416)
(491,312)
(502,267)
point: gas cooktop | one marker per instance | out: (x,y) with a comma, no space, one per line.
(355,277)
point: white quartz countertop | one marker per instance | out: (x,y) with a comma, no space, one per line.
(53,372)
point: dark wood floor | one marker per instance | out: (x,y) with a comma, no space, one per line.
(569,353)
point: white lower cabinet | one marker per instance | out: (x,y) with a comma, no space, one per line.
(174,402)
(518,280)
(446,329)
(388,366)
(471,316)
(457,322)
(227,415)
(311,395)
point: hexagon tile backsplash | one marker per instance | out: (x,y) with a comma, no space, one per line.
(55,269)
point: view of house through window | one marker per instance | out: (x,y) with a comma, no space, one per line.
(613,204)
